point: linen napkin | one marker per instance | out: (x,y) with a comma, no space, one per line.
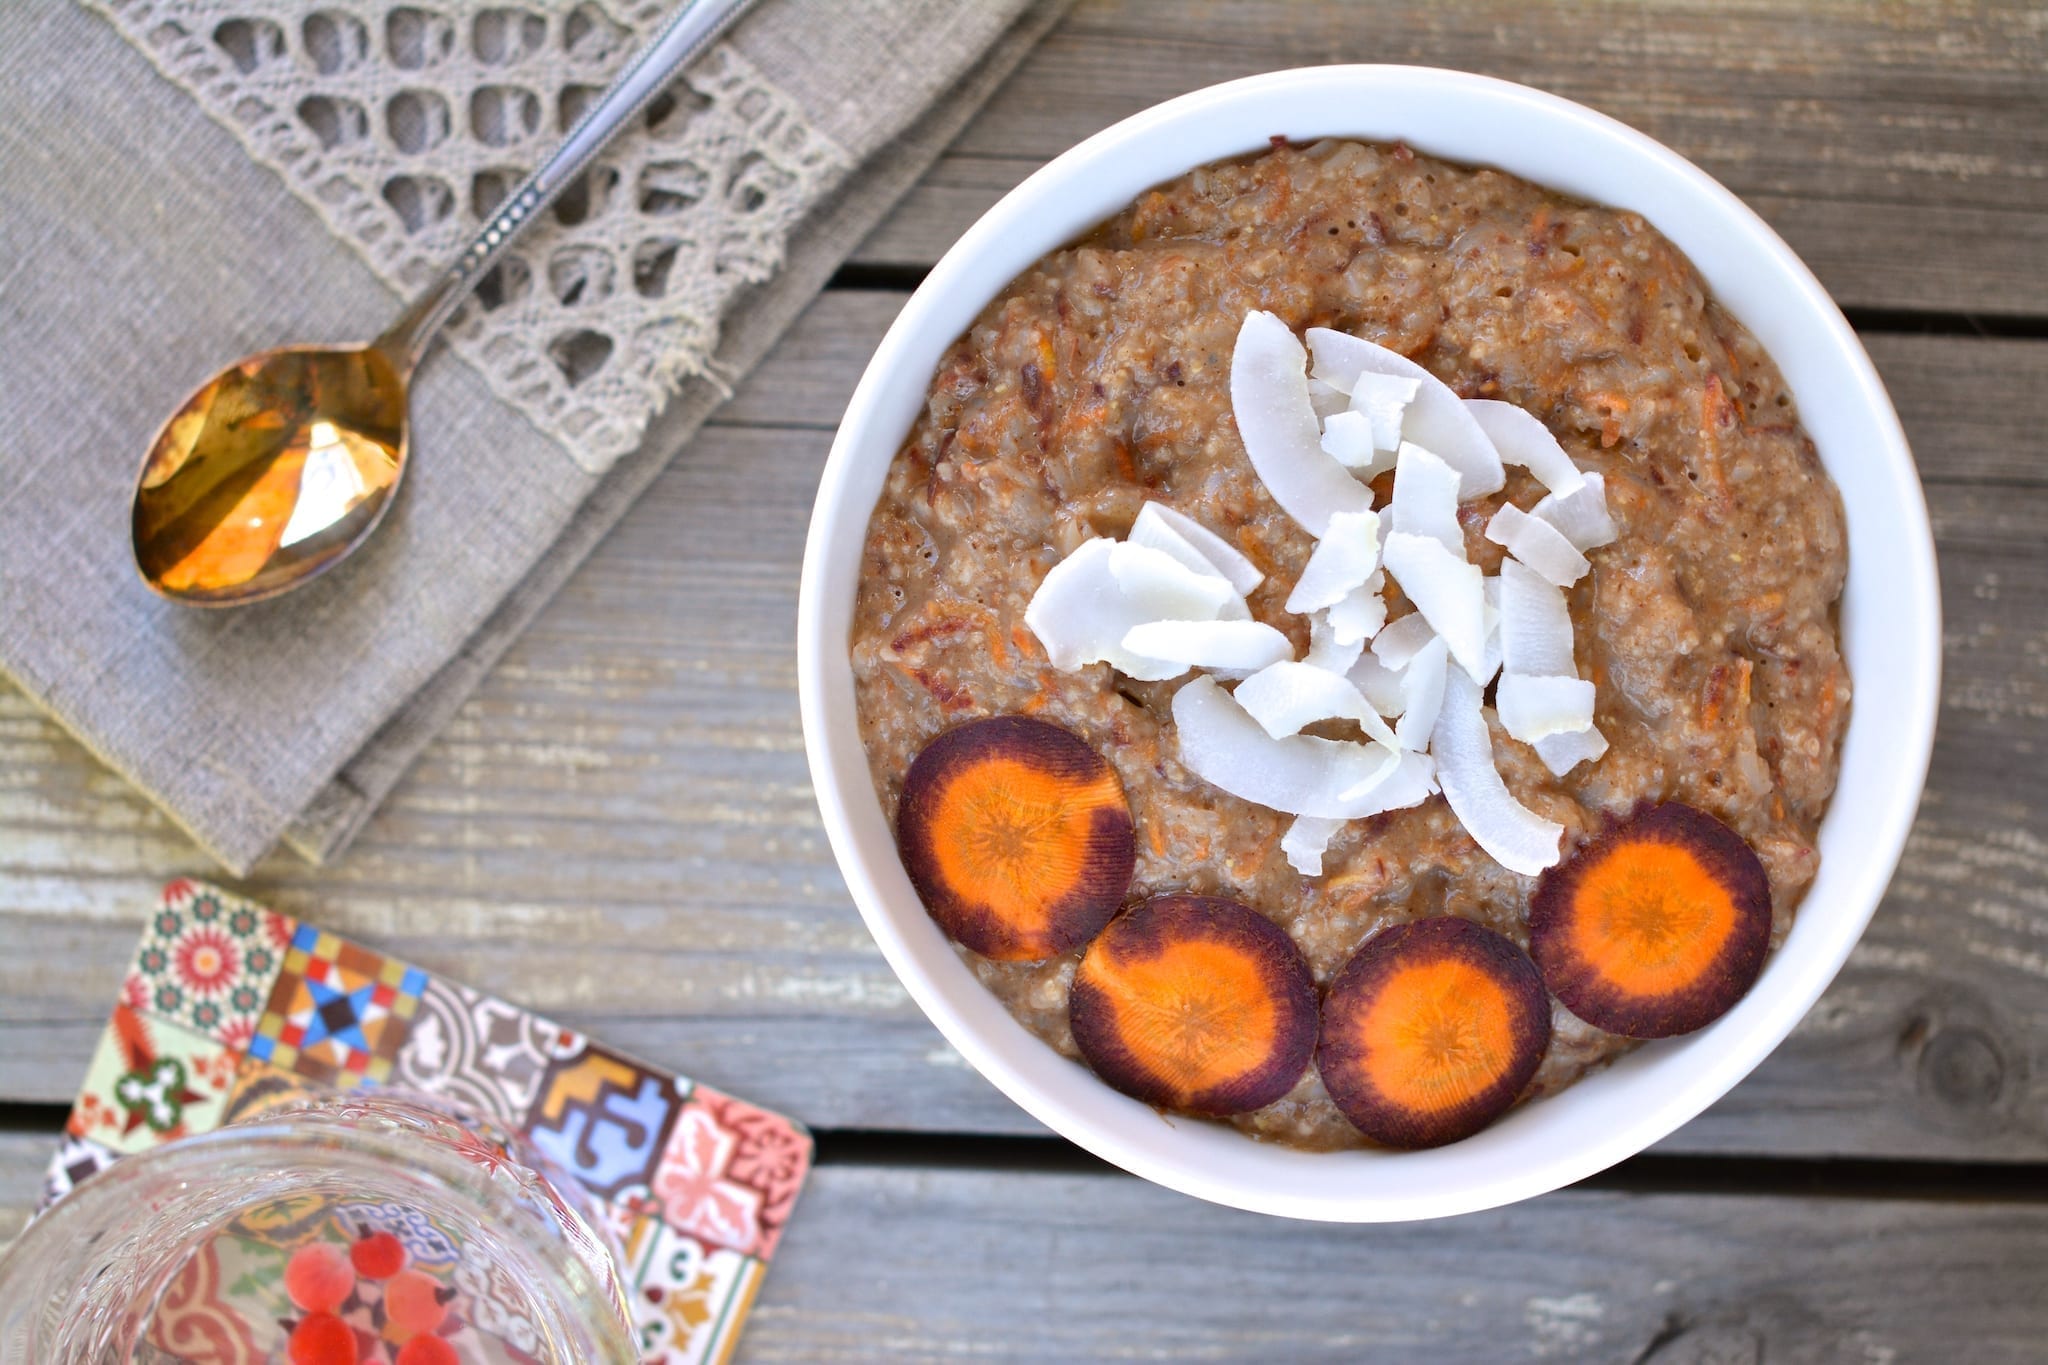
(142,245)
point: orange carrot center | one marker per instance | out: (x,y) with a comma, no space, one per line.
(1437,1034)
(1652,918)
(1199,1013)
(1016,838)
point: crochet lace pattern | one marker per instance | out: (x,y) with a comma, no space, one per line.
(402,125)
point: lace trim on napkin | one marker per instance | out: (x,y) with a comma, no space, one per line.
(402,125)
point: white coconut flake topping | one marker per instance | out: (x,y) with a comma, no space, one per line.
(1378,684)
(1582,516)
(1426,498)
(1343,559)
(1208,644)
(1396,644)
(1285,698)
(1562,753)
(1359,616)
(1325,650)
(1535,626)
(1448,592)
(1384,400)
(1347,437)
(1535,708)
(1422,694)
(1269,396)
(1436,418)
(1084,607)
(1513,835)
(1301,774)
(1538,544)
(1156,522)
(1327,400)
(1305,842)
(1523,440)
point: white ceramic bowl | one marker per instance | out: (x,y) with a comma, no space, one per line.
(1890,629)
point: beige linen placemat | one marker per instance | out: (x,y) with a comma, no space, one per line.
(140,246)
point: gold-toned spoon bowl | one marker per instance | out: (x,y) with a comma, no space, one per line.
(281,465)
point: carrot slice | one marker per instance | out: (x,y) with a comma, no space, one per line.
(1432,1031)
(1195,1003)
(1655,928)
(1017,837)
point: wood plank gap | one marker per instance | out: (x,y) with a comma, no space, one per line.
(1940,1181)
(881,276)
(1928,322)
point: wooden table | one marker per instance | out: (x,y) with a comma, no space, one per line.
(618,829)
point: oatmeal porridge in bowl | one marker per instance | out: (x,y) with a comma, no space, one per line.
(1327,643)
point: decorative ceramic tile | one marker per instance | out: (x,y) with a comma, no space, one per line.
(695,1184)
(76,1160)
(475,1050)
(207,960)
(198,1322)
(151,1081)
(604,1117)
(339,1013)
(688,1298)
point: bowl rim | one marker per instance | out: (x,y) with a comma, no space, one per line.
(1723,1053)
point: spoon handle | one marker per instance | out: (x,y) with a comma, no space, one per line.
(687,33)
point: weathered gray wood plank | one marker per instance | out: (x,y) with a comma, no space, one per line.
(943,1265)
(1901,149)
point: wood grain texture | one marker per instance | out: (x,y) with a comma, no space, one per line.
(1902,149)
(618,829)
(945,1265)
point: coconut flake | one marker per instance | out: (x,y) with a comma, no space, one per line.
(1301,774)
(1361,613)
(1490,665)
(1343,560)
(1327,400)
(1287,697)
(1269,397)
(1581,517)
(1378,684)
(1535,626)
(1305,842)
(1523,440)
(1347,437)
(1081,611)
(1396,644)
(1409,782)
(1325,650)
(1516,837)
(1562,753)
(1426,498)
(1208,644)
(1422,693)
(1538,544)
(1450,594)
(1383,400)
(1155,519)
(1535,708)
(1437,417)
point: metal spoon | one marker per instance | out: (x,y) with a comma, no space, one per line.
(281,465)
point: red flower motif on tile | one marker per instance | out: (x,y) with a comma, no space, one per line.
(691,1184)
(206,961)
(135,992)
(773,1156)
(235,1035)
(278,929)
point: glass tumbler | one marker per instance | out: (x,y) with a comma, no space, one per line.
(384,1216)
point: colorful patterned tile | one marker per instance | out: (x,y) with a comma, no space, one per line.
(688,1299)
(339,1013)
(208,961)
(603,1116)
(75,1161)
(199,1322)
(731,1172)
(476,1051)
(261,1087)
(151,1081)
